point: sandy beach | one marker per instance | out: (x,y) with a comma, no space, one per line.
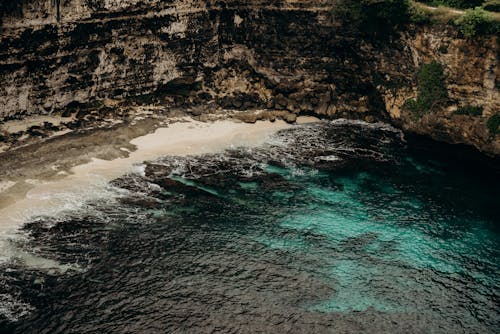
(35,191)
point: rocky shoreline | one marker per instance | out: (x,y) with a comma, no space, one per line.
(33,130)
(53,157)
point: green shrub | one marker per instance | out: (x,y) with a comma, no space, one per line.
(474,21)
(493,124)
(414,107)
(419,15)
(432,92)
(462,4)
(469,110)
(373,17)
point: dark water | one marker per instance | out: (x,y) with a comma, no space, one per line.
(329,228)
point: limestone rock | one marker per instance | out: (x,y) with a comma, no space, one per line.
(96,56)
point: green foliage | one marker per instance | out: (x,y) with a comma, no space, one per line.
(469,110)
(414,106)
(419,15)
(431,85)
(492,5)
(493,124)
(462,4)
(373,17)
(432,92)
(383,18)
(474,21)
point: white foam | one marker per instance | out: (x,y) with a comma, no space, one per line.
(90,181)
(328,158)
(12,308)
(140,169)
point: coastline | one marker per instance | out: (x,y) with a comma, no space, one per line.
(69,177)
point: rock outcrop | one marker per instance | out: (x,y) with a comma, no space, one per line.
(472,79)
(288,55)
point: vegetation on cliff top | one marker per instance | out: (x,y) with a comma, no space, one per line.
(462,4)
(476,21)
(492,5)
(471,22)
(379,18)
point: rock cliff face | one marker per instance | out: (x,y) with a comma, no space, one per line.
(290,55)
(99,49)
(472,79)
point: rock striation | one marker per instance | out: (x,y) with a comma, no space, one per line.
(286,55)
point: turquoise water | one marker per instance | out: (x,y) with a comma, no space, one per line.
(380,234)
(334,227)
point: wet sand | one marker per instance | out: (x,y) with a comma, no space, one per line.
(65,172)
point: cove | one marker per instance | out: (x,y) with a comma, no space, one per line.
(324,227)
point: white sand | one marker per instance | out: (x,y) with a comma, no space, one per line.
(88,181)
(6,185)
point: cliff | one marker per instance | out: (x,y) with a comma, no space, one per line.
(64,56)
(472,79)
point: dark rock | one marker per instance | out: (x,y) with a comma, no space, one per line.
(76,124)
(67,112)
(196,111)
(50,127)
(37,131)
(179,100)
(280,102)
(82,113)
(225,102)
(236,102)
(205,96)
(248,105)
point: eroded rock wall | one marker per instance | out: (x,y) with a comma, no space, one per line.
(472,79)
(111,50)
(278,54)
(298,59)
(275,54)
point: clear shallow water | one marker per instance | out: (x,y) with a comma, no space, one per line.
(331,227)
